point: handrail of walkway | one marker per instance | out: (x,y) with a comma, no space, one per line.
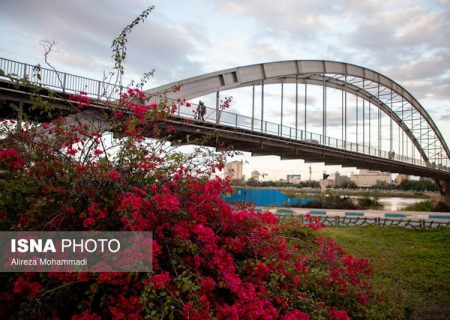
(239,121)
(69,83)
(61,81)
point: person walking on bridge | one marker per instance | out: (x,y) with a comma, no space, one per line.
(201,110)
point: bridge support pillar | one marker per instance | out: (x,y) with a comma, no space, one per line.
(444,188)
(447,193)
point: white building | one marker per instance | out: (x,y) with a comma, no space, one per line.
(336,180)
(233,170)
(367,178)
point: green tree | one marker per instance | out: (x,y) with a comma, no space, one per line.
(383,185)
(349,185)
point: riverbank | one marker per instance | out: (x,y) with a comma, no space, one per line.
(307,192)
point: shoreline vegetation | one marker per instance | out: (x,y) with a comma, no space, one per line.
(344,202)
(428,206)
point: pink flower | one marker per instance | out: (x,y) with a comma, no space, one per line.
(23,285)
(82,100)
(118,114)
(86,316)
(114,175)
(208,284)
(88,221)
(338,315)
(159,280)
(167,202)
(205,234)
(71,152)
(295,315)
(11,159)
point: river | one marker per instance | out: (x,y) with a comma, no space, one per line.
(395,204)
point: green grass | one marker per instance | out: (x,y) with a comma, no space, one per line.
(427,206)
(411,267)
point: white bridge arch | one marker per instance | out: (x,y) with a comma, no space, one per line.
(386,94)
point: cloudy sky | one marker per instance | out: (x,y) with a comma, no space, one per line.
(407,40)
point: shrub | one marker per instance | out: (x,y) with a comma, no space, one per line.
(210,260)
(426,205)
(369,203)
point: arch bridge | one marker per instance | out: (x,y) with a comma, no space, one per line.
(409,142)
(419,141)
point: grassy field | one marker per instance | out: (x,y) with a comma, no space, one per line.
(411,268)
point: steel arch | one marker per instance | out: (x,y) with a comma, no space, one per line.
(338,75)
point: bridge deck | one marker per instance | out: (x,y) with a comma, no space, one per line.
(266,144)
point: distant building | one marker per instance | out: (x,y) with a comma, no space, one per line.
(367,178)
(233,170)
(335,180)
(294,178)
(400,178)
(255,175)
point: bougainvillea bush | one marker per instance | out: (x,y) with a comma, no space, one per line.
(210,260)
(109,166)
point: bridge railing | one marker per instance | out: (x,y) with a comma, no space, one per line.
(69,83)
(239,121)
(61,81)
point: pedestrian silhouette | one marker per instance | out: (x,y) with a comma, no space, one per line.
(201,110)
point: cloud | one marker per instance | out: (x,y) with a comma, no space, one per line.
(423,68)
(84,31)
(284,14)
(408,40)
(313,100)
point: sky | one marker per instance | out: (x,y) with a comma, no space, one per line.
(406,40)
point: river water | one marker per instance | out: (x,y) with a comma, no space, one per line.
(395,204)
